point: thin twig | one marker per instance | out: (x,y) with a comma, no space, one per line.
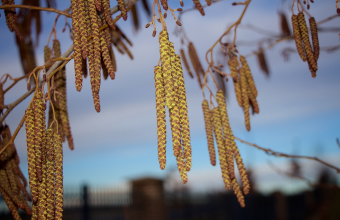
(277,154)
(36,8)
(52,68)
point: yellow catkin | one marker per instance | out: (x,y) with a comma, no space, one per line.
(245,99)
(233,65)
(166,68)
(35,210)
(306,42)
(249,76)
(42,187)
(13,185)
(186,64)
(181,166)
(122,8)
(38,127)
(238,93)
(95,73)
(208,2)
(241,169)
(98,5)
(183,116)
(107,13)
(10,150)
(199,7)
(227,133)
(209,132)
(106,55)
(50,174)
(77,46)
(58,157)
(5,185)
(315,37)
(96,101)
(10,204)
(220,147)
(160,111)
(298,39)
(253,101)
(30,134)
(82,27)
(238,192)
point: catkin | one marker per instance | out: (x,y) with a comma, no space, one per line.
(220,147)
(181,166)
(238,93)
(77,46)
(186,64)
(195,62)
(241,169)
(298,39)
(58,157)
(238,192)
(106,57)
(315,37)
(50,174)
(11,206)
(166,68)
(38,127)
(47,54)
(306,42)
(5,185)
(183,116)
(107,14)
(209,132)
(233,65)
(253,101)
(164,4)
(199,7)
(160,111)
(227,132)
(96,101)
(30,136)
(122,8)
(208,2)
(82,27)
(13,185)
(248,75)
(245,99)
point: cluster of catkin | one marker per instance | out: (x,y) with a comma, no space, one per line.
(59,100)
(170,92)
(244,85)
(45,162)
(12,182)
(217,122)
(303,45)
(11,18)
(197,3)
(92,43)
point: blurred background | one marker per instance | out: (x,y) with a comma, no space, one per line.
(113,172)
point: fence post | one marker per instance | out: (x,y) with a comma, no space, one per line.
(85,203)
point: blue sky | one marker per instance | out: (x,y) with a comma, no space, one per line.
(298,114)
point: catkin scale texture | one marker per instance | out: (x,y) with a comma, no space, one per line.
(38,127)
(245,99)
(209,132)
(199,7)
(249,76)
(121,6)
(238,193)
(315,37)
(241,169)
(82,27)
(298,38)
(58,149)
(160,111)
(220,147)
(186,64)
(50,174)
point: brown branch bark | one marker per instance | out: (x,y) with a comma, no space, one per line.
(36,8)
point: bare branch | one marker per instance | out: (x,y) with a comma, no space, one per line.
(36,8)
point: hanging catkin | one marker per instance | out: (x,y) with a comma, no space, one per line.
(241,169)
(233,65)
(166,68)
(183,113)
(160,111)
(227,133)
(298,39)
(220,147)
(315,37)
(4,184)
(209,132)
(82,27)
(77,46)
(30,136)
(248,75)
(306,42)
(121,6)
(181,166)
(245,99)
(253,101)
(38,127)
(238,192)
(164,4)
(50,174)
(186,64)
(107,14)
(11,206)
(106,56)
(58,158)
(195,63)
(199,7)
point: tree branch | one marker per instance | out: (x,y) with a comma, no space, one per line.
(36,8)
(277,154)
(55,66)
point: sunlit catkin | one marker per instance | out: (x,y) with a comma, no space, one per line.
(58,158)
(77,46)
(96,101)
(298,38)
(166,68)
(122,8)
(181,166)
(50,174)
(38,107)
(107,13)
(245,99)
(306,42)
(233,65)
(220,147)
(227,133)
(248,75)
(238,193)
(160,111)
(315,37)
(209,132)
(241,169)
(253,101)
(30,134)
(183,110)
